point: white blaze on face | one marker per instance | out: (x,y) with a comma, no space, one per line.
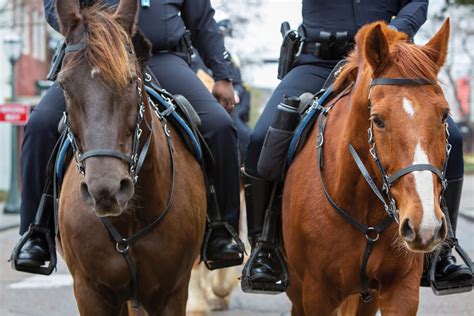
(95,71)
(425,189)
(408,107)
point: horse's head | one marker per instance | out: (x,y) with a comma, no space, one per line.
(408,124)
(101,82)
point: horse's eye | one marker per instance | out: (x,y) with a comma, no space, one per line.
(445,116)
(378,122)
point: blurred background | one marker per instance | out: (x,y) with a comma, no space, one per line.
(27,44)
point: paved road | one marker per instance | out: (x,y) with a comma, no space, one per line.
(26,294)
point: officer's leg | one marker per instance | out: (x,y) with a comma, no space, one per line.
(447,268)
(40,137)
(175,76)
(301,79)
(243,132)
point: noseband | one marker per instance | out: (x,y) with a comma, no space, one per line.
(372,234)
(136,159)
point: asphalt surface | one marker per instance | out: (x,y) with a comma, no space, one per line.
(27,294)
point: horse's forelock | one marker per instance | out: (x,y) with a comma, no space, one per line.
(106,45)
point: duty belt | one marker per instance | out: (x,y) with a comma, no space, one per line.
(327,50)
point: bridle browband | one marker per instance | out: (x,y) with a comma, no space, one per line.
(372,234)
(135,161)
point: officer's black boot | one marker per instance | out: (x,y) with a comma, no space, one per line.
(222,246)
(442,272)
(447,269)
(36,247)
(265,271)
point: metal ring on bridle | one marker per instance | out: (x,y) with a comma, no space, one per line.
(369,231)
(122,246)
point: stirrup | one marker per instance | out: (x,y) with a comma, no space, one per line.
(250,286)
(450,287)
(213,265)
(44,233)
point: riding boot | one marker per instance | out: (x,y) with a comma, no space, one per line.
(447,269)
(36,247)
(265,271)
(222,246)
(442,272)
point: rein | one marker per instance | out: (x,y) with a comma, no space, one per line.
(372,234)
(136,161)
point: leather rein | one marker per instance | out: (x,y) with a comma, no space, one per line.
(372,233)
(135,161)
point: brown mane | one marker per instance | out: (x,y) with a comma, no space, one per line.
(411,60)
(106,45)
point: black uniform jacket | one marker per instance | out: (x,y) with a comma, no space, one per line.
(164,23)
(350,15)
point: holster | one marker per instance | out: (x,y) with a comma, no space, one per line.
(56,61)
(185,46)
(289,49)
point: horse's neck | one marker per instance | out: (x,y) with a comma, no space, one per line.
(349,126)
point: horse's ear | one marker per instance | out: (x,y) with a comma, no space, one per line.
(437,47)
(127,15)
(142,47)
(376,48)
(68,15)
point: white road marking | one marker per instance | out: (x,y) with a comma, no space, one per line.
(425,190)
(408,107)
(43,281)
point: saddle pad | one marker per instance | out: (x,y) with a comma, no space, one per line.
(306,123)
(185,128)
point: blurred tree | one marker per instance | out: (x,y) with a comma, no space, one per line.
(460,61)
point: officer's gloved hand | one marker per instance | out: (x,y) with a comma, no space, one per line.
(224,93)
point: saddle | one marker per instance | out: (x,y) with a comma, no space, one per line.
(310,107)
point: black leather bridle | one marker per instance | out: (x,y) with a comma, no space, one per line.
(137,157)
(372,234)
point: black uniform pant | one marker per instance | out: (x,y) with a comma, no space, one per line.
(240,116)
(176,77)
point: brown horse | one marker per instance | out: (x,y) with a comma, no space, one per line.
(114,127)
(388,88)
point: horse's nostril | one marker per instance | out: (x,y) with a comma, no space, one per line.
(407,231)
(85,193)
(125,191)
(442,231)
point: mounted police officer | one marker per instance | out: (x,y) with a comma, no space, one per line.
(241,113)
(164,23)
(324,38)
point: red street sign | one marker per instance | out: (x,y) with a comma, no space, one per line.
(14,113)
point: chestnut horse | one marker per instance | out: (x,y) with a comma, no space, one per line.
(136,176)
(333,222)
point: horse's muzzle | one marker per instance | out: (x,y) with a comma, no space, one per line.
(422,239)
(107,197)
